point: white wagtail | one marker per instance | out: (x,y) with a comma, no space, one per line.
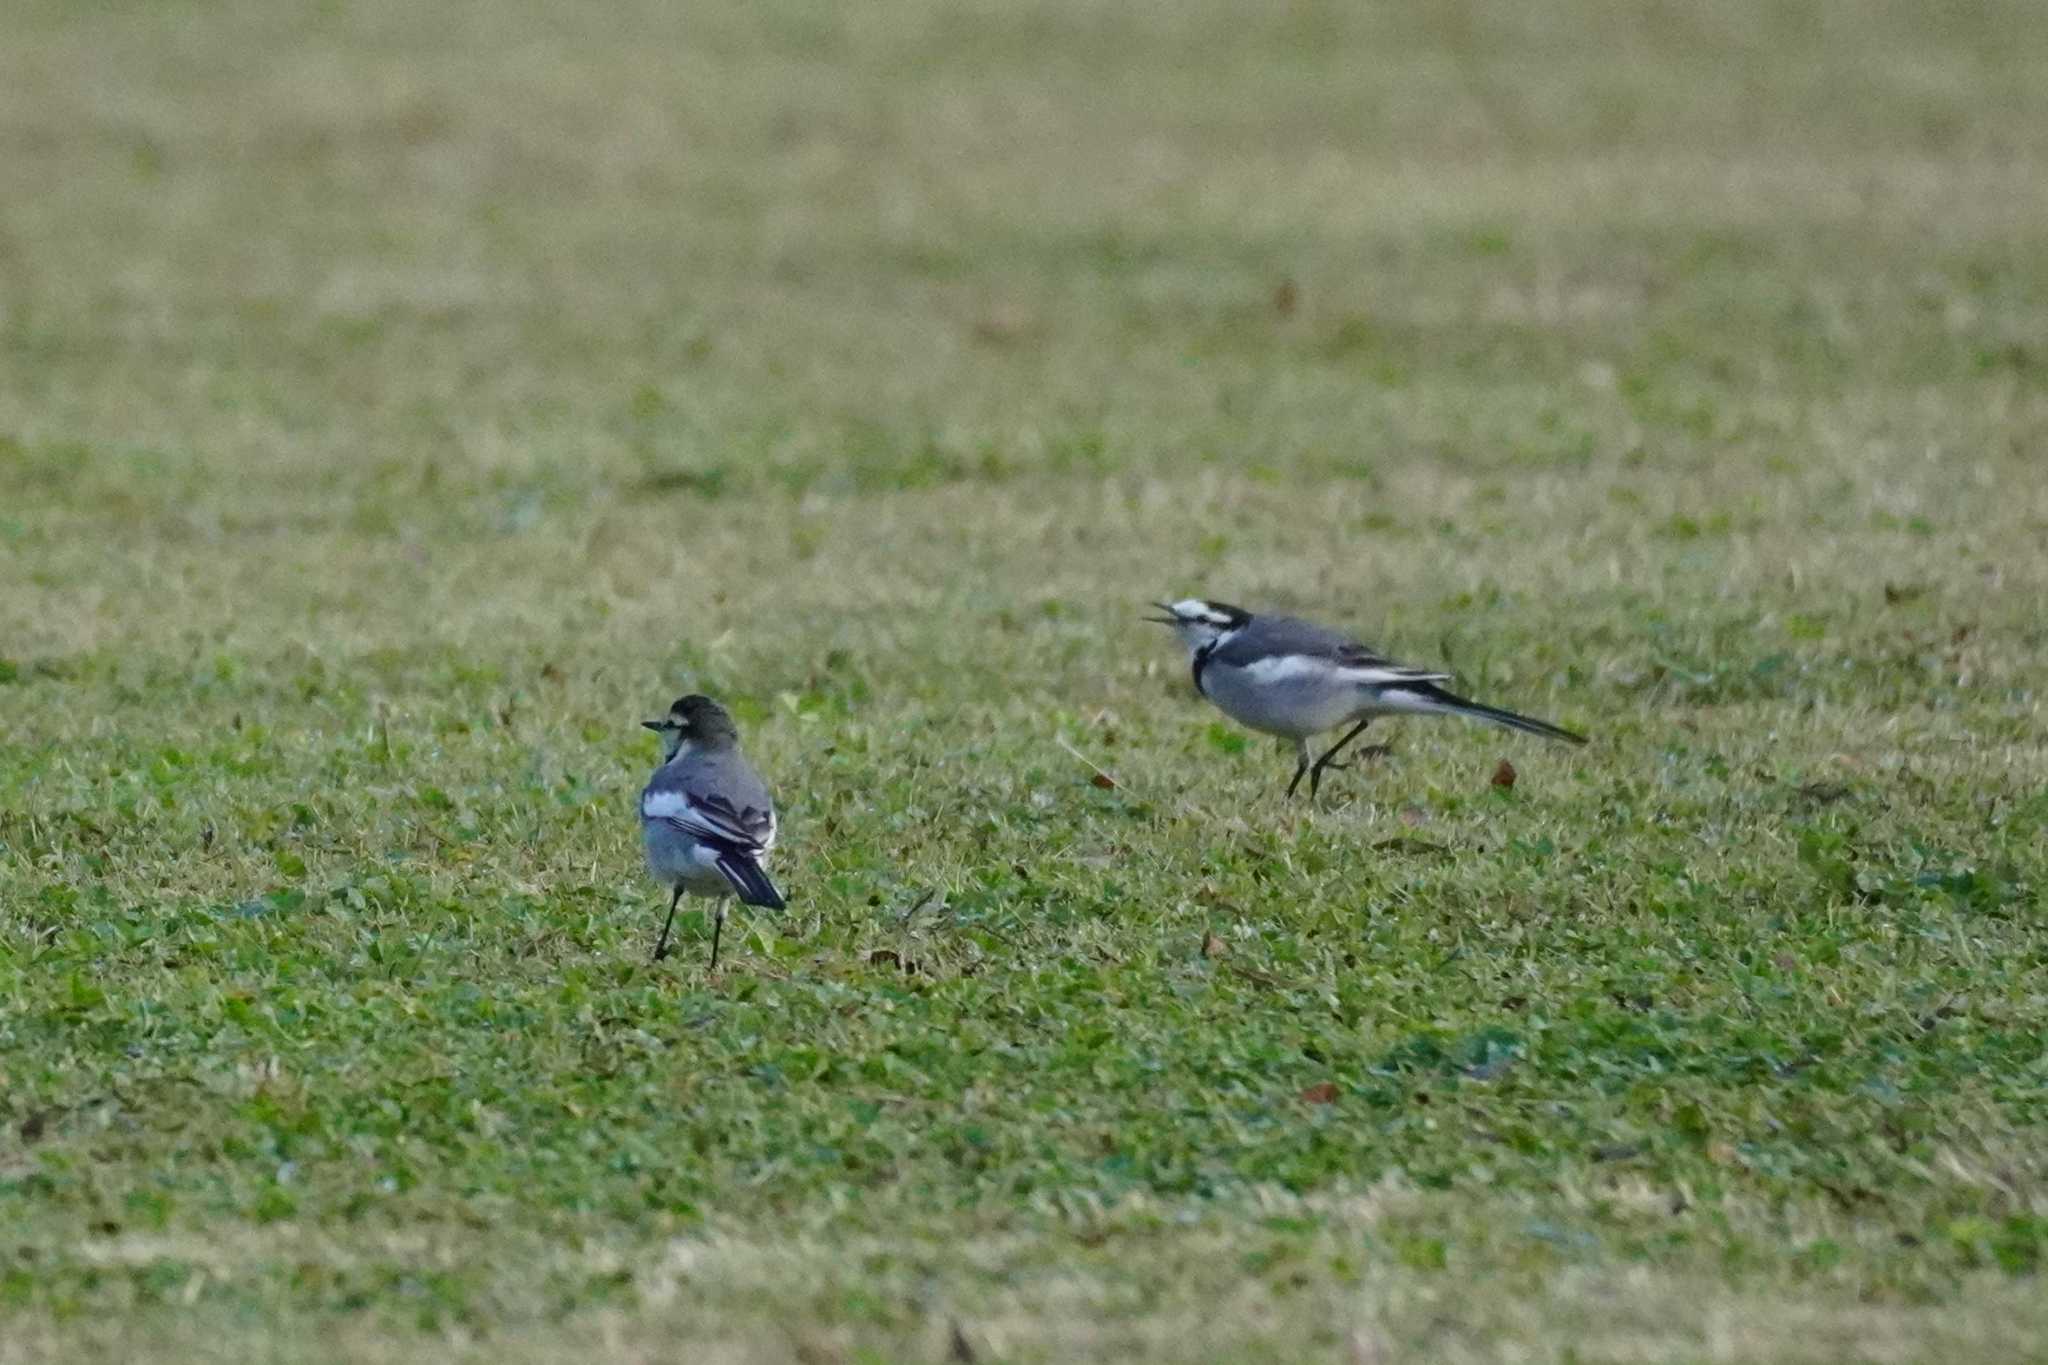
(1292,678)
(706,814)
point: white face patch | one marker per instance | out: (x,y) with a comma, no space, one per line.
(1199,624)
(1193,611)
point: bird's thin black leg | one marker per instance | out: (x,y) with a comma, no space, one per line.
(717,928)
(1315,772)
(1300,764)
(661,948)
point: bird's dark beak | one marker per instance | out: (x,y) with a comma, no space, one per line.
(1167,620)
(655,725)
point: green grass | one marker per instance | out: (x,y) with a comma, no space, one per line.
(398,402)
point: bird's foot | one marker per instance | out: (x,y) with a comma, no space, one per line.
(1357,759)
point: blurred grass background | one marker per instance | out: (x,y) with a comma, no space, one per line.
(397,402)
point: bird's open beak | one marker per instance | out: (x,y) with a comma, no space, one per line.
(656,725)
(1167,620)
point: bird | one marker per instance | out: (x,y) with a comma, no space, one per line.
(706,815)
(1295,679)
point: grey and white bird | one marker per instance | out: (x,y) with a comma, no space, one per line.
(1296,679)
(706,815)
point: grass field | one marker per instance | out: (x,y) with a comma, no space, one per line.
(398,402)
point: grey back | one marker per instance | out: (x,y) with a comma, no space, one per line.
(1267,636)
(731,797)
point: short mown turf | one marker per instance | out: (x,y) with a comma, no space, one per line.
(399,402)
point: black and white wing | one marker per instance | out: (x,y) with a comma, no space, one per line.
(711,817)
(720,804)
(1283,644)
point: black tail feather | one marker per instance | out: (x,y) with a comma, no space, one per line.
(1452,704)
(749,882)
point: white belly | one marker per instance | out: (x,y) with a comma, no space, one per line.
(676,859)
(1291,702)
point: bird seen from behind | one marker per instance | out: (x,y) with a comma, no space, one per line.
(706,816)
